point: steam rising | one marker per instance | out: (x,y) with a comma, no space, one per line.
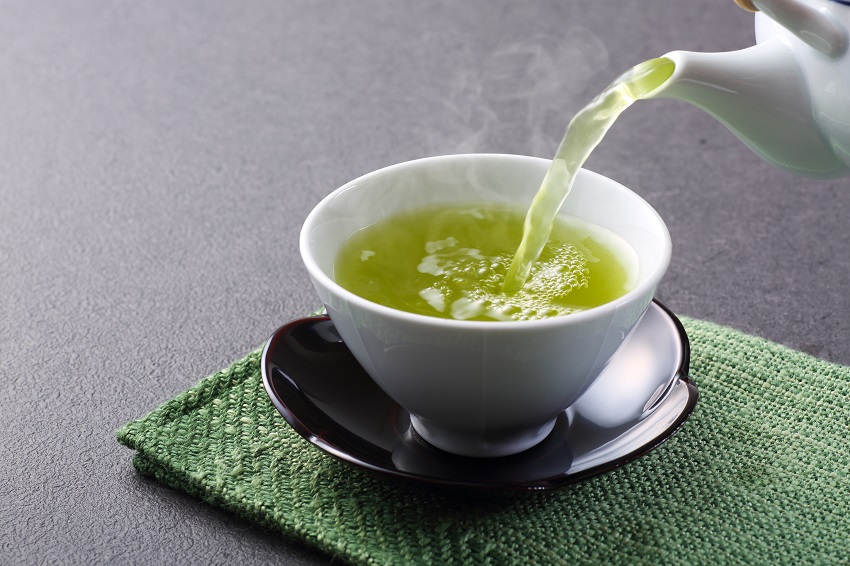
(520,98)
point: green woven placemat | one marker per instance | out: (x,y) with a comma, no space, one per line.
(758,474)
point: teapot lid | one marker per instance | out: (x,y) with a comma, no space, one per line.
(750,7)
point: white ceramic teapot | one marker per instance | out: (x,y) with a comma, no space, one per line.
(788,97)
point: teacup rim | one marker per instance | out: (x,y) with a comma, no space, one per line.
(318,273)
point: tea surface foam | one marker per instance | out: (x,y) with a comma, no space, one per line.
(451,262)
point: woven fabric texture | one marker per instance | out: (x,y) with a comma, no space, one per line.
(759,474)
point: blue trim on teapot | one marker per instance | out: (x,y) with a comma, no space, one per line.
(845,2)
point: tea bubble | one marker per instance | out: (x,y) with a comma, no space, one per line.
(471,282)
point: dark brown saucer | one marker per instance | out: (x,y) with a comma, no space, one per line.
(640,400)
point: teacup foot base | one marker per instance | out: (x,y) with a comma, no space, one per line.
(480,445)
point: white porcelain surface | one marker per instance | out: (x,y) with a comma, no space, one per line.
(788,97)
(481,388)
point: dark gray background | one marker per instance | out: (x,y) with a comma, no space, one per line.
(157,160)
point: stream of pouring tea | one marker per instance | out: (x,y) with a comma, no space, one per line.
(584,133)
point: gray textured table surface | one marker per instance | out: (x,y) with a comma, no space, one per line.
(157,160)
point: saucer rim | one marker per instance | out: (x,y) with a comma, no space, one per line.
(680,378)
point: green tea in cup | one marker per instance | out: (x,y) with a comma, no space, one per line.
(451,260)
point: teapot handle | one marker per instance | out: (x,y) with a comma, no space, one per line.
(817,27)
(747,5)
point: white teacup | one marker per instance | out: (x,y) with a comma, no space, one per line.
(481,388)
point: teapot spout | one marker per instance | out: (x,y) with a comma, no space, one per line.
(760,94)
